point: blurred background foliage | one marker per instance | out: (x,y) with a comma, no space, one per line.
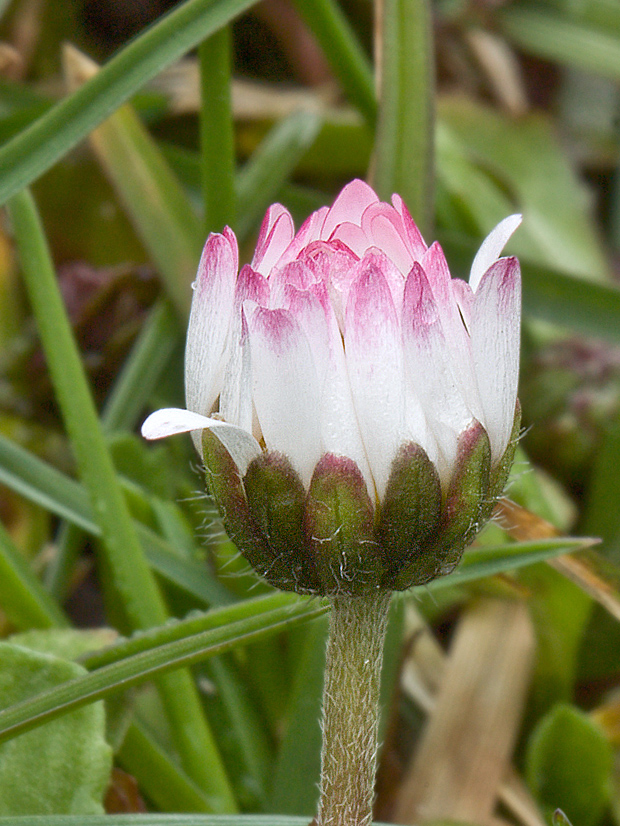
(527,120)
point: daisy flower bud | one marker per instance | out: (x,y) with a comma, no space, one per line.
(354,405)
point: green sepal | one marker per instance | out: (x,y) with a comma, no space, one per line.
(461,511)
(225,485)
(339,521)
(276,499)
(410,514)
(467,495)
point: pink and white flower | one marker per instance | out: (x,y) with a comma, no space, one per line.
(350,338)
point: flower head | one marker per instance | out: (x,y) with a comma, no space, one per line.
(365,399)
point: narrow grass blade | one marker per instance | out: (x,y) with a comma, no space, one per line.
(489,561)
(343,51)
(32,152)
(38,482)
(161,780)
(156,203)
(35,480)
(142,369)
(271,165)
(404,149)
(179,629)
(298,767)
(23,598)
(143,602)
(146,664)
(133,579)
(217,139)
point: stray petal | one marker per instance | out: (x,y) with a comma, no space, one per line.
(241,445)
(495,336)
(491,248)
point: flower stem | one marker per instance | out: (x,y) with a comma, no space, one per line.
(351,709)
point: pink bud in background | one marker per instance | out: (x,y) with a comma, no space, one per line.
(346,358)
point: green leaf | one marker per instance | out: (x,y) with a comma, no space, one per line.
(65,766)
(525,157)
(553,37)
(153,657)
(568,765)
(32,152)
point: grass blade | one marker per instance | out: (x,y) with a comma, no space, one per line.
(271,165)
(142,369)
(343,51)
(146,664)
(23,599)
(161,780)
(157,205)
(488,561)
(38,482)
(27,156)
(217,139)
(133,580)
(404,148)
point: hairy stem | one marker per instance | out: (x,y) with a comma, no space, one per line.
(351,709)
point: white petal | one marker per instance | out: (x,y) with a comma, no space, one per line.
(236,395)
(431,372)
(416,243)
(374,358)
(209,321)
(456,335)
(309,232)
(349,206)
(384,228)
(278,235)
(241,445)
(340,432)
(172,420)
(495,338)
(285,387)
(491,248)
